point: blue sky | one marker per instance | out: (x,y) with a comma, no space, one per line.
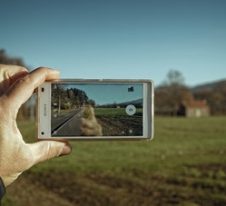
(118,38)
(109,94)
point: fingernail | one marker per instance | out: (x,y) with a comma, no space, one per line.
(66,150)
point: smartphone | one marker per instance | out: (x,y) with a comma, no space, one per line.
(95,109)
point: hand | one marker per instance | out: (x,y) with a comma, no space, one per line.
(16,156)
(89,124)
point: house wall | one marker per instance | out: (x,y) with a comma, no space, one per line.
(197,112)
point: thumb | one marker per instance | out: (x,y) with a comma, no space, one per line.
(45,150)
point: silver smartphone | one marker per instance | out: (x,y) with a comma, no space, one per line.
(96,109)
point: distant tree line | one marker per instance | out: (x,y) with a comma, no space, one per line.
(69,98)
(173,91)
(5,59)
(216,98)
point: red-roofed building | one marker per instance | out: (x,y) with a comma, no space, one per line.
(194,108)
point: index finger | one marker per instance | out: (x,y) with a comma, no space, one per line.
(22,90)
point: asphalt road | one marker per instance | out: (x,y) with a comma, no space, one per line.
(69,125)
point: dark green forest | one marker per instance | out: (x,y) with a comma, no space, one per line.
(69,98)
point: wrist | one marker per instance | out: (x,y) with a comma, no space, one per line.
(2,188)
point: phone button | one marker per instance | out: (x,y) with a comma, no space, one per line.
(130,109)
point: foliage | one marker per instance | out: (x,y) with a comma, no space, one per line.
(69,98)
(173,92)
(5,59)
(216,98)
(170,97)
(170,94)
(174,77)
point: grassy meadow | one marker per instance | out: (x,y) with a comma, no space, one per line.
(185,164)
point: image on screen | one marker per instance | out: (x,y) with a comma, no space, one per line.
(97,109)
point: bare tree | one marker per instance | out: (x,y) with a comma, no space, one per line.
(5,59)
(175,77)
(172,93)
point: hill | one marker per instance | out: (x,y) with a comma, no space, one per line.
(208,87)
(168,97)
(137,103)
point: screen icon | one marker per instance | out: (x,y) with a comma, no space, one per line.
(131,89)
(130,109)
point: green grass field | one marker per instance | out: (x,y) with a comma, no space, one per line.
(115,121)
(113,112)
(185,164)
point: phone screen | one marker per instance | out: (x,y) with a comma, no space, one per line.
(93,109)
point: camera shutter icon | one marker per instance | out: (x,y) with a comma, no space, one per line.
(130,109)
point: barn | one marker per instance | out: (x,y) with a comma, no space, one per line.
(194,108)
